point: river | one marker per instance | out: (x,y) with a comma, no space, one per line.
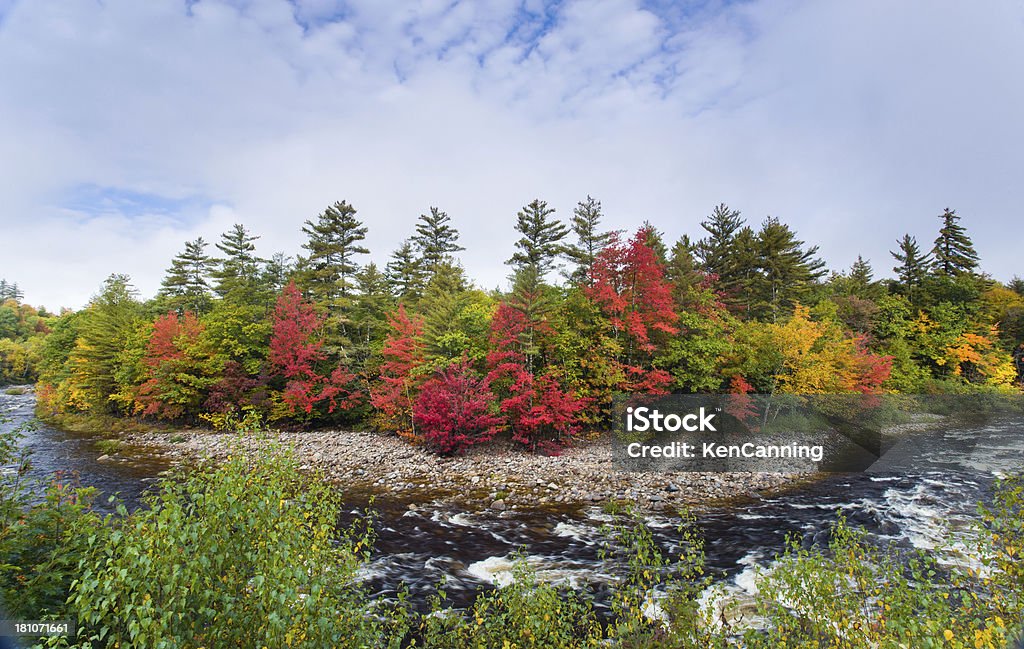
(925,505)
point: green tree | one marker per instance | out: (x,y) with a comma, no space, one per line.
(954,253)
(186,285)
(405,274)
(716,251)
(10,291)
(103,332)
(1016,285)
(276,272)
(681,269)
(435,238)
(912,268)
(541,243)
(237,275)
(590,239)
(370,307)
(785,271)
(328,273)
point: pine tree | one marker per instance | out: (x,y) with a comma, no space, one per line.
(913,265)
(237,273)
(716,250)
(405,274)
(682,271)
(1016,285)
(328,272)
(540,244)
(276,272)
(369,311)
(186,286)
(656,242)
(591,240)
(10,291)
(435,238)
(861,282)
(443,298)
(786,270)
(954,253)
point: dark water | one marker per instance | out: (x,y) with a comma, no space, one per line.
(926,502)
(75,455)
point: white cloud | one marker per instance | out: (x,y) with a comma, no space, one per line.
(854,122)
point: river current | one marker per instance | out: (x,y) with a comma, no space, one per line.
(926,504)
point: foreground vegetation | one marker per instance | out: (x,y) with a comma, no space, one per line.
(248,554)
(416,349)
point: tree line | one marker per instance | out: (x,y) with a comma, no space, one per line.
(415,348)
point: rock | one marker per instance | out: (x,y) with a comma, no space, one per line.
(655,498)
(475,479)
(552,486)
(104,458)
(498,505)
(671,488)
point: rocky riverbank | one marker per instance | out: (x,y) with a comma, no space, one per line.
(494,477)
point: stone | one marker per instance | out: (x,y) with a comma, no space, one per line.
(498,505)
(104,458)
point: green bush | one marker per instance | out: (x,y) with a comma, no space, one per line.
(244,555)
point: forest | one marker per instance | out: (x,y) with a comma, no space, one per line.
(416,348)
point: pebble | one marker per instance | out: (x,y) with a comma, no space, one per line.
(582,475)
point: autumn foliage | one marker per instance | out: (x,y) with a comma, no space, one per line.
(628,284)
(399,380)
(175,384)
(296,355)
(541,414)
(454,410)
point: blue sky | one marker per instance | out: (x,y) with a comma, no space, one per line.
(130,127)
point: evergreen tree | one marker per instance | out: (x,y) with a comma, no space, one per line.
(656,242)
(444,298)
(369,311)
(861,282)
(276,272)
(682,270)
(591,240)
(541,243)
(716,250)
(237,273)
(10,291)
(786,270)
(328,272)
(103,333)
(186,286)
(954,253)
(912,267)
(1016,285)
(405,273)
(435,238)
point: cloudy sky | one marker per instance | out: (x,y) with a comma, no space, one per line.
(128,127)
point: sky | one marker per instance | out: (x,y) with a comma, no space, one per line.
(128,128)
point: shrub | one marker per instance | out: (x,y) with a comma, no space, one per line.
(453,410)
(247,554)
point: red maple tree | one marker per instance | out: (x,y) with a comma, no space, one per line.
(542,415)
(454,410)
(174,382)
(629,286)
(296,354)
(394,394)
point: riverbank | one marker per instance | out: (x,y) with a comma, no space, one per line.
(495,477)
